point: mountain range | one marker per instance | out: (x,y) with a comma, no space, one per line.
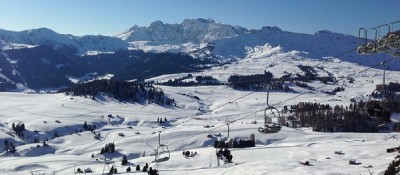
(41,58)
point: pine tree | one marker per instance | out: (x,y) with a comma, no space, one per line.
(111,170)
(6,145)
(144,168)
(56,134)
(137,167)
(12,148)
(124,160)
(112,147)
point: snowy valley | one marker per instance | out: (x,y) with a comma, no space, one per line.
(63,132)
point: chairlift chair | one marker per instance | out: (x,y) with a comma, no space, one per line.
(162,152)
(269,126)
(374,109)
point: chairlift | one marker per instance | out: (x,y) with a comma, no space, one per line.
(162,152)
(375,109)
(269,126)
(388,43)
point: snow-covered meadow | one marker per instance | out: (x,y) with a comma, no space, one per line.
(280,153)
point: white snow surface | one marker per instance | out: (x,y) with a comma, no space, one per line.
(280,153)
(89,77)
(16,46)
(93,52)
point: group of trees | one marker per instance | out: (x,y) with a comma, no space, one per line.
(176,82)
(109,148)
(244,143)
(87,127)
(393,167)
(254,81)
(18,129)
(9,146)
(325,118)
(394,87)
(310,74)
(150,171)
(121,90)
(338,89)
(113,170)
(390,99)
(200,81)
(303,85)
(160,120)
(207,80)
(258,82)
(179,81)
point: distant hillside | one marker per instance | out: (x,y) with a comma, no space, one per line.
(44,67)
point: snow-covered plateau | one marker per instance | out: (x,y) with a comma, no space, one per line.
(133,127)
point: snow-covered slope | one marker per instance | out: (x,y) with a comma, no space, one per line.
(280,153)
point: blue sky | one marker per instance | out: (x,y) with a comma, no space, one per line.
(110,17)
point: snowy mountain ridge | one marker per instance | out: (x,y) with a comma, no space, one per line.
(187,36)
(205,38)
(45,36)
(190,30)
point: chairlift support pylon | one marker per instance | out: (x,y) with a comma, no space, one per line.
(269,126)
